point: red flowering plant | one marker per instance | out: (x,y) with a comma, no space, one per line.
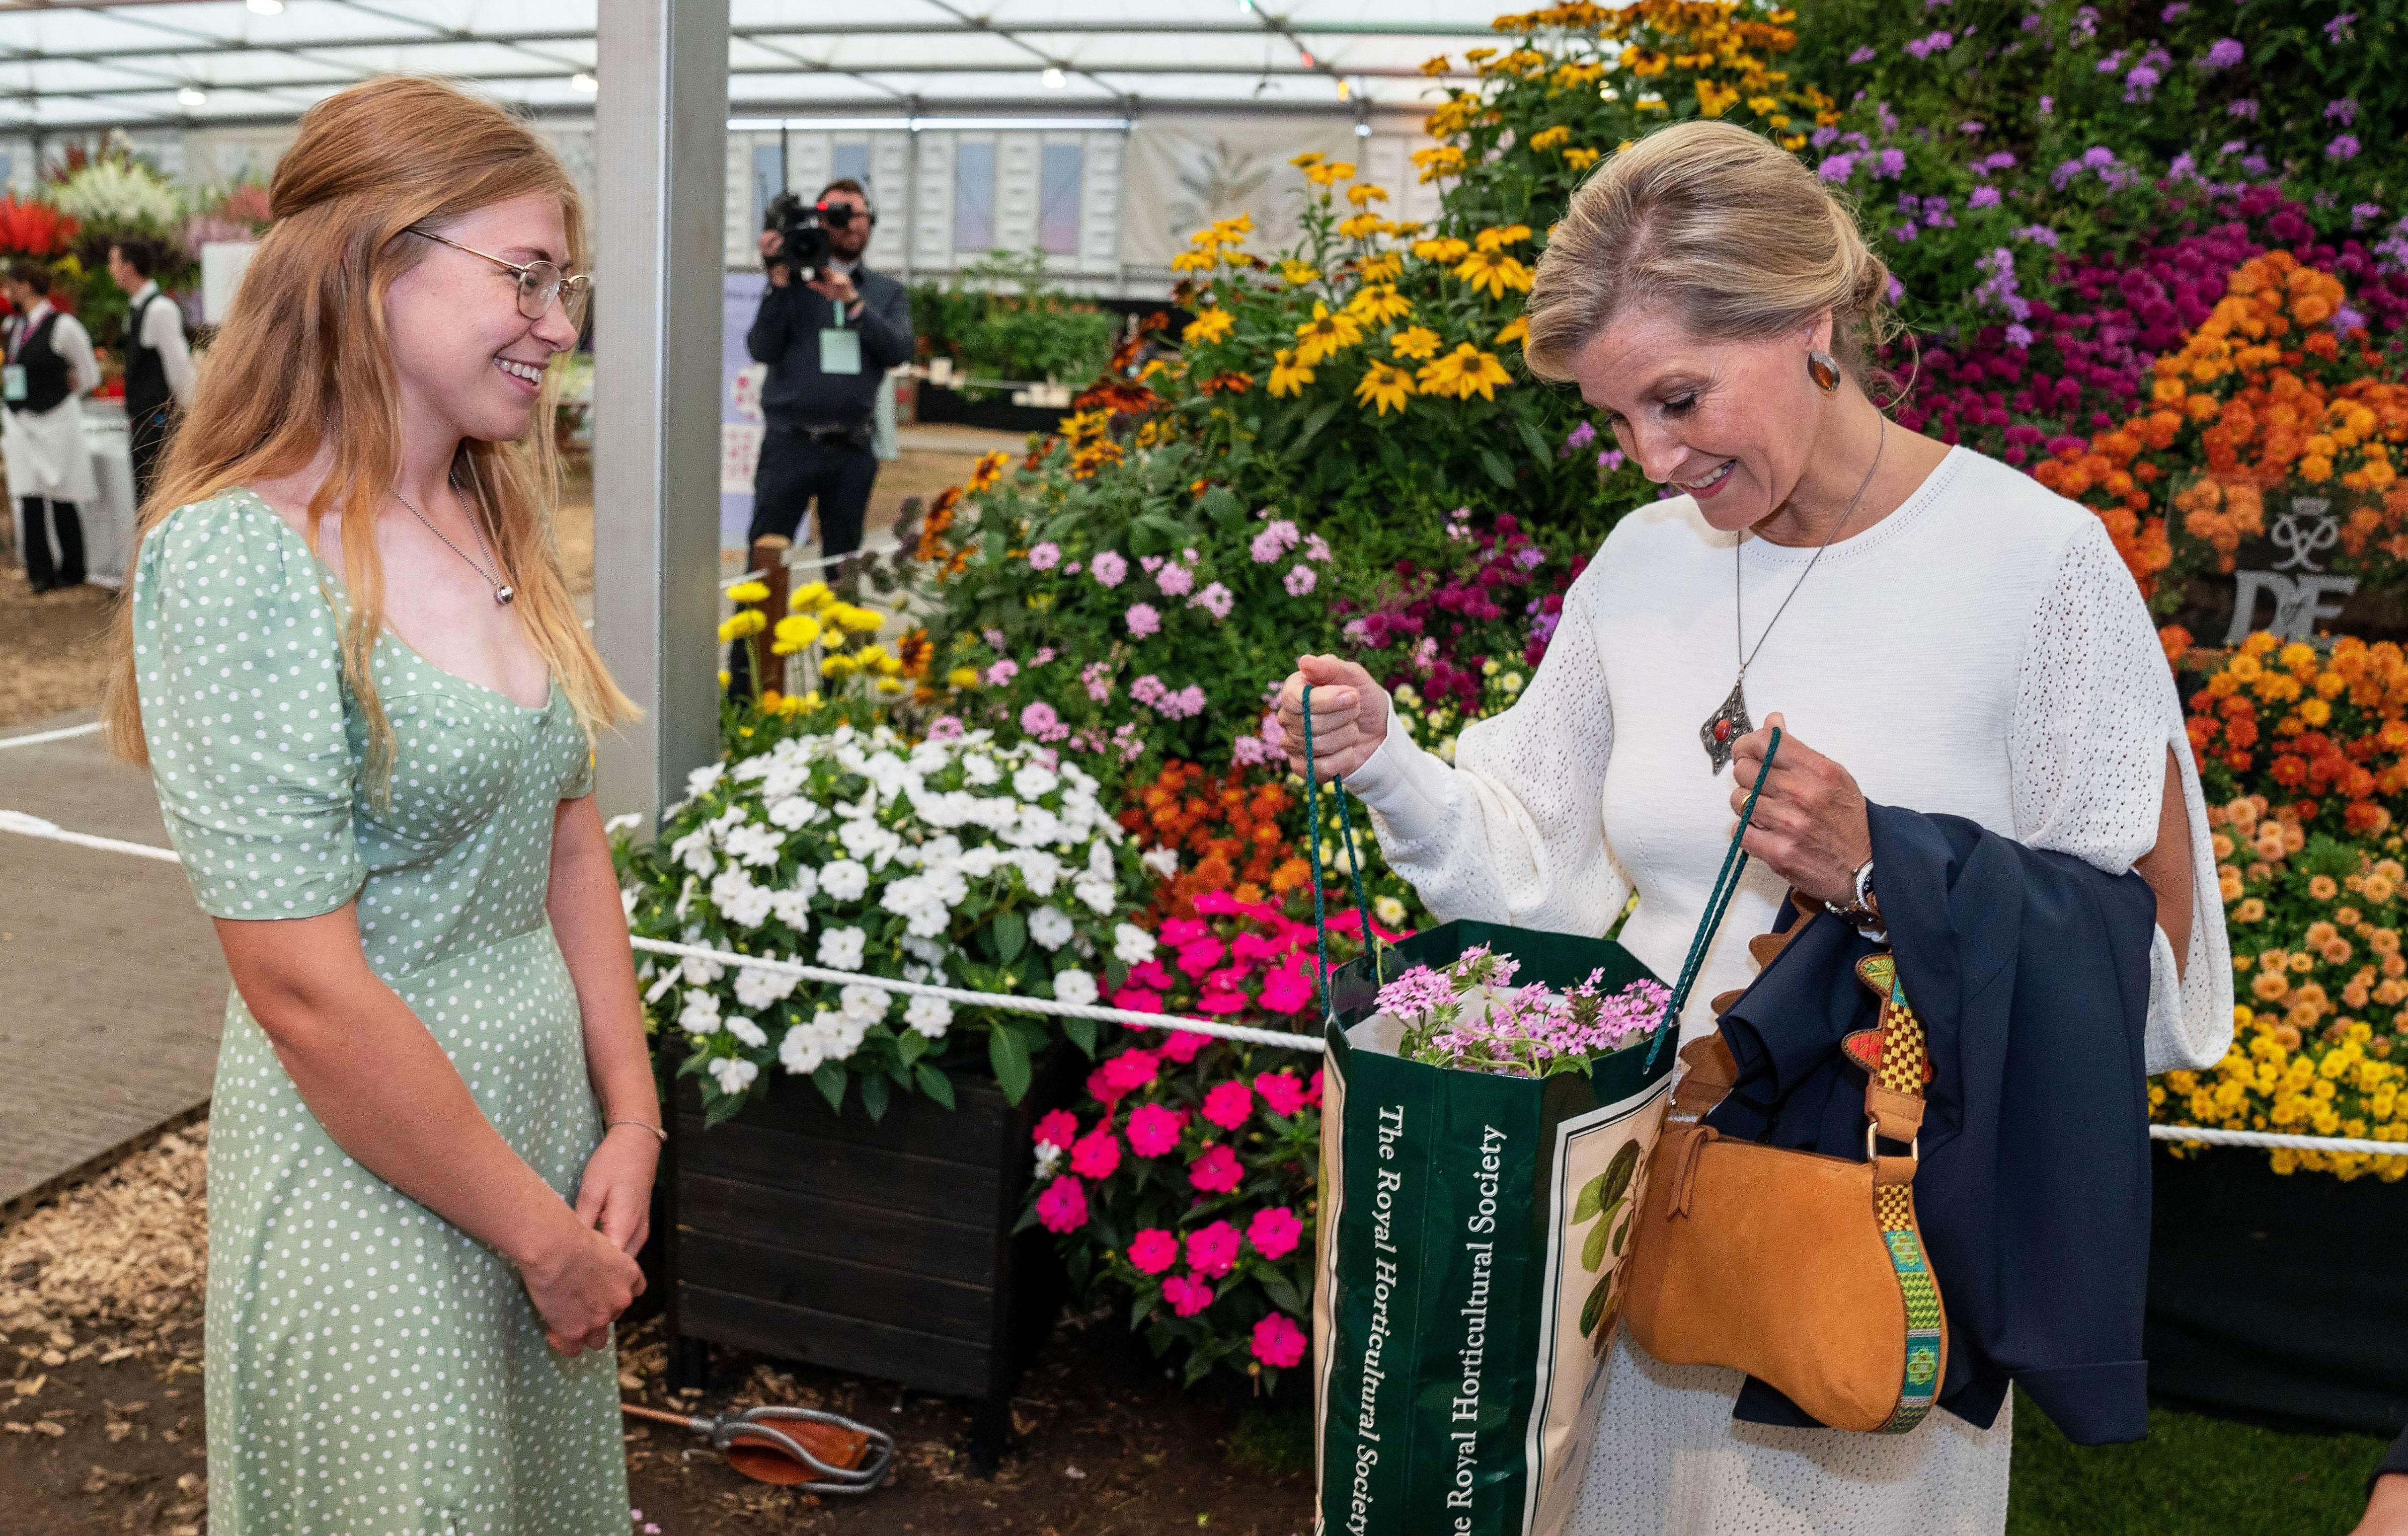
(1185,1182)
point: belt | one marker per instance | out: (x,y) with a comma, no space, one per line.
(855,436)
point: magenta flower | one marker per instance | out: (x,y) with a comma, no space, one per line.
(1137,999)
(1837,167)
(1275,1231)
(1111,569)
(1201,956)
(1286,989)
(1044,556)
(1216,1170)
(1063,1207)
(1185,1045)
(2344,147)
(1213,1251)
(1132,1069)
(1186,1297)
(1154,1251)
(1175,581)
(1143,621)
(1281,1093)
(1278,1341)
(1153,1129)
(1300,579)
(1056,1128)
(2223,53)
(1100,1086)
(1228,1104)
(1096,1155)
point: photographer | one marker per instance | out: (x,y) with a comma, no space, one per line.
(829,340)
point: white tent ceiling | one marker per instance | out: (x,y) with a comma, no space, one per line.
(170,62)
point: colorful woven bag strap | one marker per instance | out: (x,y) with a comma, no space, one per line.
(1894,1110)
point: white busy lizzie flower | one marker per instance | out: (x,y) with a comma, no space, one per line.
(1033,780)
(1131,945)
(1074,987)
(740,901)
(794,812)
(930,1016)
(841,948)
(756,844)
(865,1003)
(1097,894)
(700,1016)
(792,908)
(746,1030)
(844,880)
(978,769)
(1049,927)
(1162,861)
(757,990)
(734,1074)
(702,779)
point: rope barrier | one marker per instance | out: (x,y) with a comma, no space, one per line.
(37,737)
(34,827)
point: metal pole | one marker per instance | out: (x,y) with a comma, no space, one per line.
(660,138)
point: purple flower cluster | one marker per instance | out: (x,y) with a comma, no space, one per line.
(1447,624)
(1171,704)
(1470,1017)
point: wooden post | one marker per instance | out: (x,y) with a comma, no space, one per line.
(769,557)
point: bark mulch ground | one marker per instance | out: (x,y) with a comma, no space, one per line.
(101,1431)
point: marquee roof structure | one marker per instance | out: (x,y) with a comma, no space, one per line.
(79,64)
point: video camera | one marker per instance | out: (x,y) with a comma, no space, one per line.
(802,229)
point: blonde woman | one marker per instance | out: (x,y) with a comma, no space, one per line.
(352,662)
(1933,629)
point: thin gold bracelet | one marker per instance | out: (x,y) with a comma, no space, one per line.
(645,1124)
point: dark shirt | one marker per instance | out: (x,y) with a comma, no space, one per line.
(147,391)
(2030,972)
(786,336)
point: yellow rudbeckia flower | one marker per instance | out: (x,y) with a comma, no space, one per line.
(1494,273)
(1463,373)
(1298,273)
(1208,326)
(1384,387)
(1323,335)
(1288,377)
(1377,304)
(1414,341)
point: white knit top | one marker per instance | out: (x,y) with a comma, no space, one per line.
(1981,652)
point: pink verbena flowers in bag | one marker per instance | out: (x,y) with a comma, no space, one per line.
(1469,1016)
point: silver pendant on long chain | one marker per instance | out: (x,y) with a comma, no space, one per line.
(1723,728)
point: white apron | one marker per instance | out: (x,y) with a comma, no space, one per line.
(46,453)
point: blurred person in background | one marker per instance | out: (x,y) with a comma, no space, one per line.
(49,369)
(158,364)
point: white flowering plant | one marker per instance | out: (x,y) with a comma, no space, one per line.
(954,860)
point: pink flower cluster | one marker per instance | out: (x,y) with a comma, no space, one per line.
(1276,539)
(1039,720)
(1469,1016)
(1462,614)
(1159,697)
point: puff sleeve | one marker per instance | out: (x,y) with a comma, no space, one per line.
(239,672)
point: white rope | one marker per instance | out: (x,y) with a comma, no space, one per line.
(34,827)
(1284,1039)
(2275,1141)
(37,737)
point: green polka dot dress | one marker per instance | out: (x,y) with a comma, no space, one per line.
(372,1370)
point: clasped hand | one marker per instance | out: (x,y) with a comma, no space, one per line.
(1810,823)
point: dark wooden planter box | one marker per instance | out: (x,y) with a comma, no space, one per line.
(884,1249)
(990,410)
(2279,1299)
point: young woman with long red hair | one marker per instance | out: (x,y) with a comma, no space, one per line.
(351,659)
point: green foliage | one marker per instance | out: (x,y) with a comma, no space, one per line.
(1004,321)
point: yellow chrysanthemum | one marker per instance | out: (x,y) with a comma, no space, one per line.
(1325,335)
(1234,230)
(1298,273)
(1384,387)
(1580,160)
(1414,341)
(1439,161)
(1463,373)
(1547,138)
(1207,237)
(835,667)
(1494,273)
(861,620)
(749,592)
(797,630)
(749,620)
(1208,326)
(962,676)
(1288,377)
(1305,161)
(1194,261)
(811,596)
(1377,303)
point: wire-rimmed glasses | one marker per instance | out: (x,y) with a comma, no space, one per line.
(540,281)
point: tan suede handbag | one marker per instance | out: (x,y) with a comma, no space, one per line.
(1805,1271)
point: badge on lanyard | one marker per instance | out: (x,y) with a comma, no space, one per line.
(12,383)
(839,351)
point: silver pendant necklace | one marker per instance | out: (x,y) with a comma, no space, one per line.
(503,592)
(1723,728)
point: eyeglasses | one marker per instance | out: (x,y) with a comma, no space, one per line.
(539,283)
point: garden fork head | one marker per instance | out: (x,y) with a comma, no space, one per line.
(791,1445)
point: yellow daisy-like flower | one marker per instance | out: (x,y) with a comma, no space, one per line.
(1233,257)
(833,668)
(1547,138)
(1366,195)
(1516,329)
(813,595)
(1493,272)
(1361,226)
(988,472)
(797,630)
(1463,373)
(1714,100)
(1440,161)
(1325,334)
(1231,231)
(962,676)
(1501,237)
(1205,236)
(890,685)
(1298,273)
(1388,267)
(1328,173)
(1194,261)
(1208,326)
(1414,341)
(1438,65)
(749,592)
(1305,161)
(1377,303)
(1446,252)
(1580,160)
(1384,387)
(861,620)
(1288,377)
(751,621)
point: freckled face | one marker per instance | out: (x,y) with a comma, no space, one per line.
(1730,422)
(461,348)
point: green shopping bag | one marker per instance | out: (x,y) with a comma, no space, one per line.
(1474,1230)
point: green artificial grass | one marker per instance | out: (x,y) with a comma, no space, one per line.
(2193,1476)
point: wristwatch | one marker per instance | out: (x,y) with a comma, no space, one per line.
(1863,910)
